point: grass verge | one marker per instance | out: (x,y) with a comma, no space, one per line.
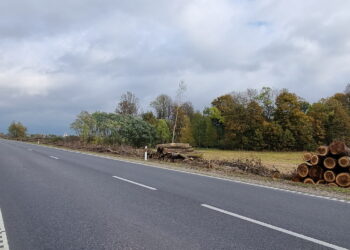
(285,162)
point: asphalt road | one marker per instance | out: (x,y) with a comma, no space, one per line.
(54,199)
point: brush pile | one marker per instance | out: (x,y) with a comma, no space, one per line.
(330,165)
(175,151)
(183,152)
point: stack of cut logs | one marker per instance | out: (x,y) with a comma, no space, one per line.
(330,165)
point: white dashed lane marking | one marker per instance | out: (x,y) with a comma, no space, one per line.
(279,229)
(135,183)
(54,157)
(3,238)
(203,175)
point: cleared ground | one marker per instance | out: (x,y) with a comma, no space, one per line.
(283,161)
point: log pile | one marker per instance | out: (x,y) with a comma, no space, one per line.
(330,165)
(174,151)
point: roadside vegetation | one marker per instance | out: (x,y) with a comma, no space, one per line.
(255,120)
(266,127)
(17,130)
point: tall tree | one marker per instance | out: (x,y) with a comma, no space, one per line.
(84,125)
(163,132)
(203,130)
(254,120)
(266,98)
(188,109)
(186,135)
(162,106)
(231,114)
(344,99)
(273,136)
(179,96)
(198,129)
(17,130)
(217,120)
(150,118)
(331,119)
(290,116)
(128,104)
(211,139)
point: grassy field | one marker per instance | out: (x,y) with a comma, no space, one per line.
(283,161)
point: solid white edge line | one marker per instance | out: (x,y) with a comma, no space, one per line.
(208,176)
(3,239)
(53,157)
(319,242)
(136,183)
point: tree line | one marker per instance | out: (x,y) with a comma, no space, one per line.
(264,119)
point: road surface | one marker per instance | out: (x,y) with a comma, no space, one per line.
(54,199)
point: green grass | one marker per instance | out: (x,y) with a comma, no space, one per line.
(283,161)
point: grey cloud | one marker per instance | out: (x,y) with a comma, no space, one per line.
(60,57)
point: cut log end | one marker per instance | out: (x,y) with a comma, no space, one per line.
(316,172)
(338,147)
(343,179)
(344,161)
(322,150)
(303,170)
(315,159)
(309,181)
(307,157)
(329,176)
(330,163)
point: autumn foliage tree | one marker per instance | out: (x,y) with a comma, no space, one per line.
(17,130)
(162,106)
(290,116)
(265,119)
(128,104)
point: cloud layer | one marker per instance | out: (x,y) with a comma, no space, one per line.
(60,57)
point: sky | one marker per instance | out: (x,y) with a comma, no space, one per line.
(58,58)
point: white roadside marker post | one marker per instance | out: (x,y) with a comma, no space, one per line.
(145,153)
